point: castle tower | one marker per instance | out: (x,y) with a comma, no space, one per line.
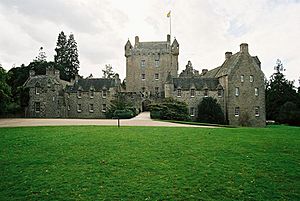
(149,63)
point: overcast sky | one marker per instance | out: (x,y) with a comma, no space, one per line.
(205,30)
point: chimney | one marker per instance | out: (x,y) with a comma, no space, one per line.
(244,47)
(31,73)
(57,73)
(137,40)
(168,38)
(228,55)
(204,71)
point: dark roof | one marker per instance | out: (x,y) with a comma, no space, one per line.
(41,80)
(98,84)
(198,82)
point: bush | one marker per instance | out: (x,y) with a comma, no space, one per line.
(123,114)
(209,111)
(169,109)
(289,113)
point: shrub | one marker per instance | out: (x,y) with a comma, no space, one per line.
(169,109)
(209,111)
(289,113)
(123,114)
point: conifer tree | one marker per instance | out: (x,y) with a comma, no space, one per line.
(61,49)
(72,57)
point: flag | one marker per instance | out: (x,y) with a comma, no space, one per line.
(169,14)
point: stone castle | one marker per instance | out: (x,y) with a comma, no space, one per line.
(151,75)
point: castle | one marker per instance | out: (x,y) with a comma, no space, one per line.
(152,74)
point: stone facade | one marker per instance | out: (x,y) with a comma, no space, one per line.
(151,75)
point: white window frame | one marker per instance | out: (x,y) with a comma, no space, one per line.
(237,91)
(79,93)
(251,78)
(104,107)
(104,93)
(193,93)
(143,63)
(156,63)
(256,111)
(92,93)
(237,111)
(156,76)
(205,93)
(91,106)
(79,108)
(156,90)
(242,78)
(179,92)
(35,107)
(143,76)
(192,111)
(256,92)
(37,90)
(220,93)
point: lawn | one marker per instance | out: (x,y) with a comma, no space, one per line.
(149,163)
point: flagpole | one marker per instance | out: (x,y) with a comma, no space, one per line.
(170,27)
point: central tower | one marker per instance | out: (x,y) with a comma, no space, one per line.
(148,65)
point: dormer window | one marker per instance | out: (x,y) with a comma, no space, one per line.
(178,92)
(251,78)
(205,92)
(143,63)
(92,93)
(220,92)
(104,93)
(37,88)
(157,63)
(192,92)
(79,94)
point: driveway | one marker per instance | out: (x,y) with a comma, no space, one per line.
(143,119)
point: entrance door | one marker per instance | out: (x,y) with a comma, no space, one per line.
(145,105)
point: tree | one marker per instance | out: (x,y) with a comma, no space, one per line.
(66,56)
(41,56)
(209,111)
(5,91)
(289,113)
(279,91)
(108,72)
(72,58)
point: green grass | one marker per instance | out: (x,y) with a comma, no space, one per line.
(149,163)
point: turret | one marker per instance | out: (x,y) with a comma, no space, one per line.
(175,47)
(128,48)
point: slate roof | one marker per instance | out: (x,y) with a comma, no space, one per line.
(42,80)
(198,82)
(160,45)
(98,84)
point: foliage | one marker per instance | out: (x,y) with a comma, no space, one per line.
(108,72)
(279,91)
(42,55)
(5,91)
(289,113)
(66,56)
(120,102)
(123,114)
(169,109)
(149,163)
(209,111)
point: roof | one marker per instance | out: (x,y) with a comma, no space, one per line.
(198,82)
(228,65)
(159,45)
(42,80)
(98,84)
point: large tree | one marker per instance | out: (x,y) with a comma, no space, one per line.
(5,91)
(108,72)
(209,111)
(66,56)
(278,92)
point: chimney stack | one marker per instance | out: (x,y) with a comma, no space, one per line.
(228,55)
(137,40)
(31,73)
(204,71)
(244,47)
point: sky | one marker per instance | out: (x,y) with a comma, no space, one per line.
(205,30)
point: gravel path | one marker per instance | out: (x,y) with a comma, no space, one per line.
(143,119)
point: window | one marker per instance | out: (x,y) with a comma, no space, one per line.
(79,108)
(242,78)
(236,111)
(143,63)
(104,93)
(251,78)
(92,94)
(143,76)
(156,76)
(156,63)
(178,92)
(91,108)
(192,92)
(49,83)
(69,107)
(256,91)
(143,89)
(37,106)
(192,111)
(78,94)
(257,111)
(156,89)
(104,108)
(237,91)
(37,90)
(220,91)
(205,92)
